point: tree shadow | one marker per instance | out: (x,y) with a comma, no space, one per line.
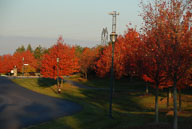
(126,111)
(46,82)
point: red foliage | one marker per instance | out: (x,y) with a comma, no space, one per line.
(87,60)
(28,59)
(68,62)
(124,55)
(6,63)
(147,79)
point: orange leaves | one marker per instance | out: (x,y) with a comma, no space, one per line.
(8,62)
(87,60)
(126,48)
(28,59)
(68,62)
(147,79)
(167,42)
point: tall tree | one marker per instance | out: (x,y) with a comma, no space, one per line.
(6,63)
(21,58)
(154,47)
(180,55)
(78,50)
(68,62)
(179,38)
(124,54)
(171,20)
(29,48)
(20,49)
(87,60)
(38,52)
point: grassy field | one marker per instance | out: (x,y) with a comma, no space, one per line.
(132,109)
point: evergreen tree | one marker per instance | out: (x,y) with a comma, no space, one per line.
(38,52)
(78,50)
(29,48)
(20,49)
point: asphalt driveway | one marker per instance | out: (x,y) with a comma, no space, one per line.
(20,107)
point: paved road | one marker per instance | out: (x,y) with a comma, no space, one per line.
(20,107)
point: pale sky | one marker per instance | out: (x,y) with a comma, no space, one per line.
(78,21)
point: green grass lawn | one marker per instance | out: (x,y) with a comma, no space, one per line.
(122,84)
(131,107)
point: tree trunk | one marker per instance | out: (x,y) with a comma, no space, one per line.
(57,83)
(86,75)
(62,81)
(175,103)
(147,89)
(168,97)
(157,105)
(58,86)
(179,99)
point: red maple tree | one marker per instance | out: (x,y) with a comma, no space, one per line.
(167,25)
(68,62)
(6,63)
(124,55)
(24,61)
(88,59)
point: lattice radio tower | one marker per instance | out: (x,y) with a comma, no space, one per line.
(104,36)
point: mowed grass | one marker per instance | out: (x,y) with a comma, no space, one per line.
(122,84)
(132,109)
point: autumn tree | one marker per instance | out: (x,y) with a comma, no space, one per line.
(87,60)
(125,48)
(179,38)
(154,47)
(68,62)
(170,19)
(185,82)
(6,63)
(26,57)
(147,80)
(18,59)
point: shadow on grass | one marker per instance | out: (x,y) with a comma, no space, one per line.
(46,82)
(95,113)
(127,112)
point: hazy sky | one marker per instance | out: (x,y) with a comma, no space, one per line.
(78,21)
